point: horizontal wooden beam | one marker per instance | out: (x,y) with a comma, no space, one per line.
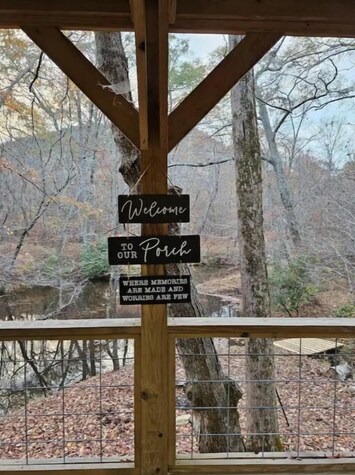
(218,83)
(237,456)
(95,329)
(262,327)
(67,14)
(259,467)
(70,469)
(293,17)
(310,10)
(84,74)
(241,27)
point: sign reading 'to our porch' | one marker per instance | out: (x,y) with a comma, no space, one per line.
(153,250)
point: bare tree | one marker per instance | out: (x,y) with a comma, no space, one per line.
(260,394)
(295,78)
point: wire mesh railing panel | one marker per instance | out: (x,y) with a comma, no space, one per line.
(66,401)
(242,396)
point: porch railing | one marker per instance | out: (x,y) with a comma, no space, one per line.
(228,335)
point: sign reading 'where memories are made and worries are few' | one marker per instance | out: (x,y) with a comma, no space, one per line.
(154,290)
(154,208)
(153,250)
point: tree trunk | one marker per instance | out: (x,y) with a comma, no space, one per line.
(262,424)
(284,190)
(113,64)
(222,396)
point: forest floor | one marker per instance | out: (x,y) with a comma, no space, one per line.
(227,282)
(96,417)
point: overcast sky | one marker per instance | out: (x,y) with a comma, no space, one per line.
(203,45)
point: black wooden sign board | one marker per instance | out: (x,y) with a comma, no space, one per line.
(155,290)
(153,250)
(154,209)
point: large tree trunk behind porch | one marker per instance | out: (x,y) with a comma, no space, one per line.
(219,394)
(255,292)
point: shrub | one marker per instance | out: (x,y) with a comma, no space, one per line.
(55,267)
(291,286)
(93,259)
(346,310)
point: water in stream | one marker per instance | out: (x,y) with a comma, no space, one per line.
(42,367)
(94,300)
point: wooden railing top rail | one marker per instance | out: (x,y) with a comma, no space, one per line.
(71,469)
(263,327)
(108,329)
(259,467)
(93,329)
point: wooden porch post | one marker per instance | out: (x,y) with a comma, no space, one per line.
(153,78)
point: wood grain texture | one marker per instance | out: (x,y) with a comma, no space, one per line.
(329,28)
(217,84)
(308,346)
(138,15)
(66,14)
(137,403)
(235,456)
(262,327)
(92,329)
(309,10)
(172,11)
(84,74)
(293,17)
(70,469)
(172,401)
(259,467)
(179,327)
(154,337)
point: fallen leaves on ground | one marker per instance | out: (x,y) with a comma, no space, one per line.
(95,418)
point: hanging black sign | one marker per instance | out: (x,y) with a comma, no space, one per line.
(155,290)
(153,249)
(154,208)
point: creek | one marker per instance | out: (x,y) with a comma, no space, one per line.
(97,300)
(32,369)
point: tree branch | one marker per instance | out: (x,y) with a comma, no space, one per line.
(200,165)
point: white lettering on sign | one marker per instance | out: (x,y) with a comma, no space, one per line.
(180,296)
(180,281)
(137,298)
(157,289)
(151,246)
(133,283)
(127,254)
(152,210)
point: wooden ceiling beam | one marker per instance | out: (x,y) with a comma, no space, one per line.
(306,10)
(293,17)
(91,82)
(67,14)
(217,84)
(241,27)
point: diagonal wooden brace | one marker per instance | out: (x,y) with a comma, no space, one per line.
(91,82)
(216,85)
